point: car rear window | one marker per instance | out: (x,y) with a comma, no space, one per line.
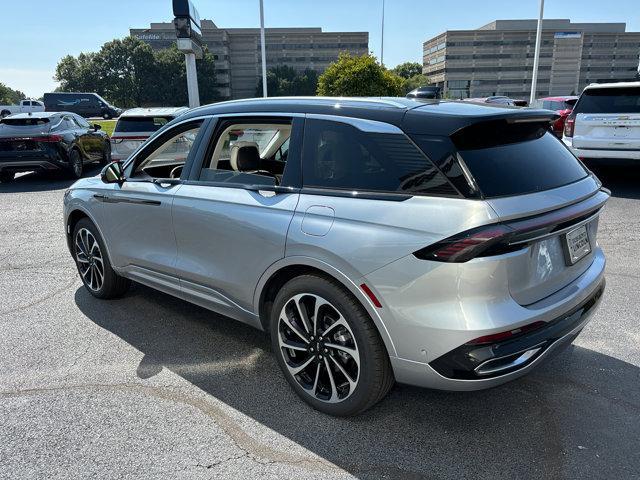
(515,158)
(24,122)
(340,156)
(141,124)
(609,100)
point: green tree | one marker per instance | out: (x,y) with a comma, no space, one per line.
(129,73)
(415,82)
(9,96)
(408,69)
(359,76)
(283,80)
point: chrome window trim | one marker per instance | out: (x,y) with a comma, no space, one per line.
(364,125)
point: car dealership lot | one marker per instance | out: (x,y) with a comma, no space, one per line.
(152,387)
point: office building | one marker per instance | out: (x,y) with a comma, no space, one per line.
(497,59)
(238,63)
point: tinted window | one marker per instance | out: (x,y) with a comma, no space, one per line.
(339,156)
(609,100)
(516,159)
(81,121)
(141,124)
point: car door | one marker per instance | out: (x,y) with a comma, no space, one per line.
(138,213)
(232,217)
(93,140)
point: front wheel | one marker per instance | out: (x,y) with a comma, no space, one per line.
(106,154)
(93,264)
(328,347)
(106,116)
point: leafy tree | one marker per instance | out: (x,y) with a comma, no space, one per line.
(129,73)
(408,69)
(283,80)
(9,96)
(415,82)
(359,76)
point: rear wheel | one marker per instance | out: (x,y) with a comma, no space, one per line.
(4,113)
(328,347)
(75,164)
(93,264)
(6,177)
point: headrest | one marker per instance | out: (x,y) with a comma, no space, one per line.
(245,156)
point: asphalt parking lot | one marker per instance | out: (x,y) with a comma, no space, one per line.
(149,386)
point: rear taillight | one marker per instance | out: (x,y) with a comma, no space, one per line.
(49,139)
(569,125)
(466,245)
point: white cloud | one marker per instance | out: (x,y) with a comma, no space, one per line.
(30,81)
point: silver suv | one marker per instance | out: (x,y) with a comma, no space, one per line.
(448,245)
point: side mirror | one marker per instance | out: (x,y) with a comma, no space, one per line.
(96,127)
(113,173)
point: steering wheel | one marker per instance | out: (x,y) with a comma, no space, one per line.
(176,172)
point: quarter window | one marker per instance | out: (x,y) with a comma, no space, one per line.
(340,156)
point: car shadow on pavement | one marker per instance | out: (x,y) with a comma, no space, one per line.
(44,181)
(577,416)
(623,181)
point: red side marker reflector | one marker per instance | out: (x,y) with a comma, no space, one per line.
(370,294)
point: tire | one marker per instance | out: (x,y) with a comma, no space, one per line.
(366,375)
(76,166)
(5,113)
(106,153)
(89,253)
(6,177)
(106,116)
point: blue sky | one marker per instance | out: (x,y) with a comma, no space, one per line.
(35,34)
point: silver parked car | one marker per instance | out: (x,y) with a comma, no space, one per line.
(448,245)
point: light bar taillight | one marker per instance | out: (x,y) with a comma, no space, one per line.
(466,245)
(40,138)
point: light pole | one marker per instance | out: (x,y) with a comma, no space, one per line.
(382,37)
(264,51)
(536,58)
(189,42)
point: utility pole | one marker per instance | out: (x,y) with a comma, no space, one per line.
(192,80)
(264,51)
(536,58)
(382,38)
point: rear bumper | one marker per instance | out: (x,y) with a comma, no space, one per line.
(586,154)
(28,162)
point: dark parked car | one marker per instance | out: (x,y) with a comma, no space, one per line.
(85,104)
(50,141)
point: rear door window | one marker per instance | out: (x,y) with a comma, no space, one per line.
(515,159)
(339,156)
(609,100)
(141,124)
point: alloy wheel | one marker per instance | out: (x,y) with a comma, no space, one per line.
(76,163)
(319,348)
(90,260)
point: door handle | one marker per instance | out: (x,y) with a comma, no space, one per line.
(167,182)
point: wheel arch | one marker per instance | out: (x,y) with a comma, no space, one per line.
(287,268)
(77,213)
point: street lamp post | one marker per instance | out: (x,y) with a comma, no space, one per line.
(536,58)
(263,51)
(382,37)
(189,42)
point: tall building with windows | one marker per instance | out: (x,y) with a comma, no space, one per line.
(497,59)
(238,63)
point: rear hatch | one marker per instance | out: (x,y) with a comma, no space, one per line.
(546,201)
(608,119)
(131,132)
(19,136)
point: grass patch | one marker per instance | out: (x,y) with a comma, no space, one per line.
(107,125)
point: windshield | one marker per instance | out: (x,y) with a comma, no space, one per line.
(609,100)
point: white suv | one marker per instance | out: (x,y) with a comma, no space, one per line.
(605,123)
(136,125)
